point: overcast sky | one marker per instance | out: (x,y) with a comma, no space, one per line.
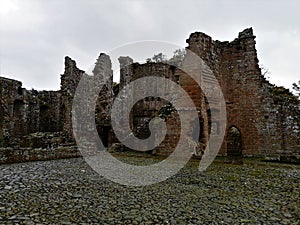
(37,35)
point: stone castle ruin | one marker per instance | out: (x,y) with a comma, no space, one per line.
(262,119)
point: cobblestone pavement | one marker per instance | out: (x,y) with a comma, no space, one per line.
(69,192)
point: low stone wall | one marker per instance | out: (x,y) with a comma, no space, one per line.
(10,155)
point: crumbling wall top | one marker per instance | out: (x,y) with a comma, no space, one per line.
(69,63)
(103,60)
(247,33)
(102,70)
(125,61)
(11,81)
(198,37)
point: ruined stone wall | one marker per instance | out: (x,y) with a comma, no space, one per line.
(249,103)
(26,111)
(49,111)
(280,125)
(192,88)
(12,113)
(19,155)
(103,76)
(69,81)
(266,117)
(267,122)
(149,107)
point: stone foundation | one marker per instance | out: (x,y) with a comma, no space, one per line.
(11,155)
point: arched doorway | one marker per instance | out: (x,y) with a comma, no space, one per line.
(234,145)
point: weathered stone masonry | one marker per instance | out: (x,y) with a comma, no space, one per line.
(262,119)
(23,112)
(253,108)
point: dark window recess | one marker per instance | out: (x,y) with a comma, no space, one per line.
(46,124)
(18,107)
(20,91)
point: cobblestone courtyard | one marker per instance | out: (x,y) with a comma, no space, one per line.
(69,192)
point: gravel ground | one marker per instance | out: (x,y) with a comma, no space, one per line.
(69,192)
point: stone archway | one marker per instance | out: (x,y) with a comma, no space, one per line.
(234,145)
